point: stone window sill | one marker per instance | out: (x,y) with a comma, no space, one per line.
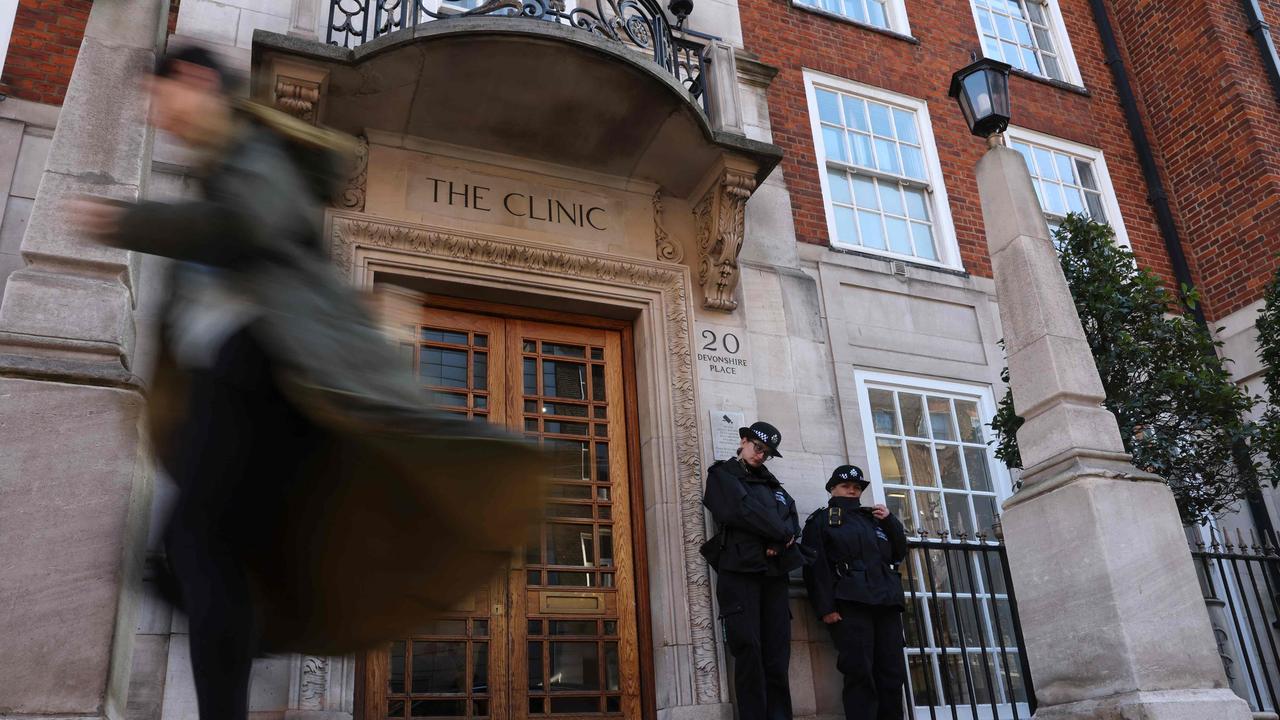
(865,26)
(1061,85)
(889,260)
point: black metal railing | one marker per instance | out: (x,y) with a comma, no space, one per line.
(966,658)
(638,24)
(1239,580)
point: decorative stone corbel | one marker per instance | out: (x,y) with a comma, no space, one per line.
(668,249)
(352,197)
(719,218)
(295,87)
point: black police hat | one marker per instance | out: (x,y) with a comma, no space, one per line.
(847,473)
(765,433)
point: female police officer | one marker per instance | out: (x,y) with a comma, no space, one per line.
(855,588)
(753,551)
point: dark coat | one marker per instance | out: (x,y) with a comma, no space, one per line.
(753,513)
(407,510)
(857,557)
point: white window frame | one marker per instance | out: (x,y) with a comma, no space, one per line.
(982,394)
(895,12)
(1061,41)
(8,15)
(1095,156)
(944,230)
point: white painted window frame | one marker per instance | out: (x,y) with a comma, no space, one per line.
(8,14)
(944,229)
(1061,40)
(1000,479)
(895,12)
(1096,158)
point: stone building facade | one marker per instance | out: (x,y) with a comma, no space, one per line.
(789,231)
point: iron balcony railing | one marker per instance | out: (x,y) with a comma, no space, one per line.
(641,25)
(966,658)
(1240,580)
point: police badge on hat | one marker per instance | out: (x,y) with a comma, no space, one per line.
(847,473)
(765,433)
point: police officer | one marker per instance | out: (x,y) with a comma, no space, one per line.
(753,551)
(855,588)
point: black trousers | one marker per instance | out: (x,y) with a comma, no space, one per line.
(758,624)
(869,645)
(238,450)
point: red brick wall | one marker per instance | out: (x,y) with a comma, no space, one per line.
(792,39)
(1217,121)
(42,49)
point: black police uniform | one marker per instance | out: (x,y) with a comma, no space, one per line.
(855,574)
(753,513)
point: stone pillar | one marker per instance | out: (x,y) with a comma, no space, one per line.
(1111,610)
(75,479)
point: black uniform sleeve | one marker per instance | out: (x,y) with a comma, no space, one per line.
(201,231)
(818,579)
(732,507)
(897,537)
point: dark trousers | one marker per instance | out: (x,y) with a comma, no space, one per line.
(237,451)
(758,624)
(869,645)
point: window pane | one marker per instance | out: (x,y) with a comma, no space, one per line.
(876,15)
(899,235)
(969,421)
(1075,201)
(881,120)
(929,504)
(899,503)
(891,199)
(922,469)
(570,545)
(833,144)
(949,466)
(845,230)
(912,414)
(913,162)
(923,239)
(395,675)
(917,206)
(575,666)
(940,418)
(887,157)
(905,123)
(535,667)
(564,379)
(870,229)
(828,107)
(838,182)
(447,368)
(864,193)
(855,113)
(884,416)
(979,470)
(987,511)
(861,144)
(958,515)
(890,452)
(1094,201)
(438,667)
(1086,174)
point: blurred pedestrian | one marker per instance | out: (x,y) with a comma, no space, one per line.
(321,507)
(855,588)
(753,552)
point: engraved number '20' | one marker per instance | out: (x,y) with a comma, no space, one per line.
(728,341)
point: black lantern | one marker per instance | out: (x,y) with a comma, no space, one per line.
(680,9)
(982,89)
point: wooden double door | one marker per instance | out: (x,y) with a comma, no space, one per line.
(555,633)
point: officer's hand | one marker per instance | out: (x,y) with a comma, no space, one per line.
(880,512)
(770,552)
(831,618)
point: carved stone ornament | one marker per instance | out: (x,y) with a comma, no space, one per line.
(719,218)
(668,249)
(298,97)
(349,231)
(352,197)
